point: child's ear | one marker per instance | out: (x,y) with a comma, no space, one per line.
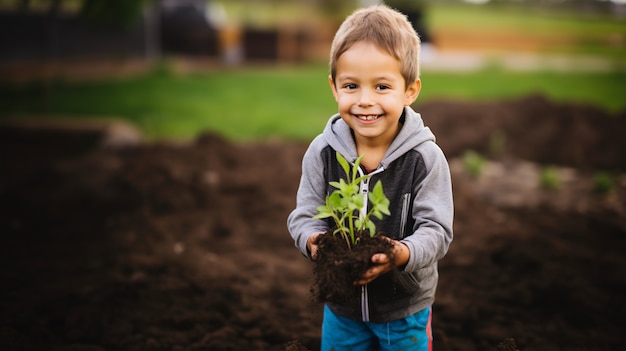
(332,86)
(412,91)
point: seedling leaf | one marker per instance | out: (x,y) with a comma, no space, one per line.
(343,205)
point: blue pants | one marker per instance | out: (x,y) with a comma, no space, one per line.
(344,334)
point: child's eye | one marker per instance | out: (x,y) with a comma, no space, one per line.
(349,86)
(382,87)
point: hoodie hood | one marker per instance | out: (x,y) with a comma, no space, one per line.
(413,133)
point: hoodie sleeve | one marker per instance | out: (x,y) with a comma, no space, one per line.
(433,211)
(311,194)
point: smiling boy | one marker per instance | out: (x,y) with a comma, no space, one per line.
(374,78)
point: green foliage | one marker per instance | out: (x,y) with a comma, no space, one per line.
(473,163)
(119,12)
(337,10)
(343,205)
(549,178)
(603,183)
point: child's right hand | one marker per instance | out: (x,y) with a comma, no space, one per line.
(312,246)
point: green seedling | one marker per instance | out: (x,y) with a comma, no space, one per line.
(549,178)
(603,183)
(473,163)
(344,204)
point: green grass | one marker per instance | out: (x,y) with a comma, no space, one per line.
(241,104)
(605,89)
(259,103)
(535,19)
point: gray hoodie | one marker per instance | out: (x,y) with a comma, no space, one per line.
(416,179)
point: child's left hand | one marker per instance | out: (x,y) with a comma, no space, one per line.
(383,264)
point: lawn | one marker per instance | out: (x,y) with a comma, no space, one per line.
(288,103)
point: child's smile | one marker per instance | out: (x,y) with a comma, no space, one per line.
(368,118)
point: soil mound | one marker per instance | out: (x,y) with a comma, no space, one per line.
(157,246)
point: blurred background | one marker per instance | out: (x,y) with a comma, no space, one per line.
(151,152)
(175,68)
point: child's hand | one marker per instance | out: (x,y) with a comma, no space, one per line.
(312,246)
(383,263)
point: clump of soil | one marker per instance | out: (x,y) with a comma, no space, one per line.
(338,266)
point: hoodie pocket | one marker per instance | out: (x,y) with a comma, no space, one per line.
(407,283)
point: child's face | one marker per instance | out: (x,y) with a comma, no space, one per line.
(371,92)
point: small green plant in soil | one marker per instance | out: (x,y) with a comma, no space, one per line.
(549,178)
(473,163)
(603,183)
(343,205)
(345,251)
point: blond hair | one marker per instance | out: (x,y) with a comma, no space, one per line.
(384,27)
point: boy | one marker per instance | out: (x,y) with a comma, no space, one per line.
(374,77)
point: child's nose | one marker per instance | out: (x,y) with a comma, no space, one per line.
(365,98)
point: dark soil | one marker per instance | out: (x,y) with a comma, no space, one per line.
(159,246)
(338,266)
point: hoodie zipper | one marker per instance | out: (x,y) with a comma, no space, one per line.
(406,199)
(364,190)
(365,308)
